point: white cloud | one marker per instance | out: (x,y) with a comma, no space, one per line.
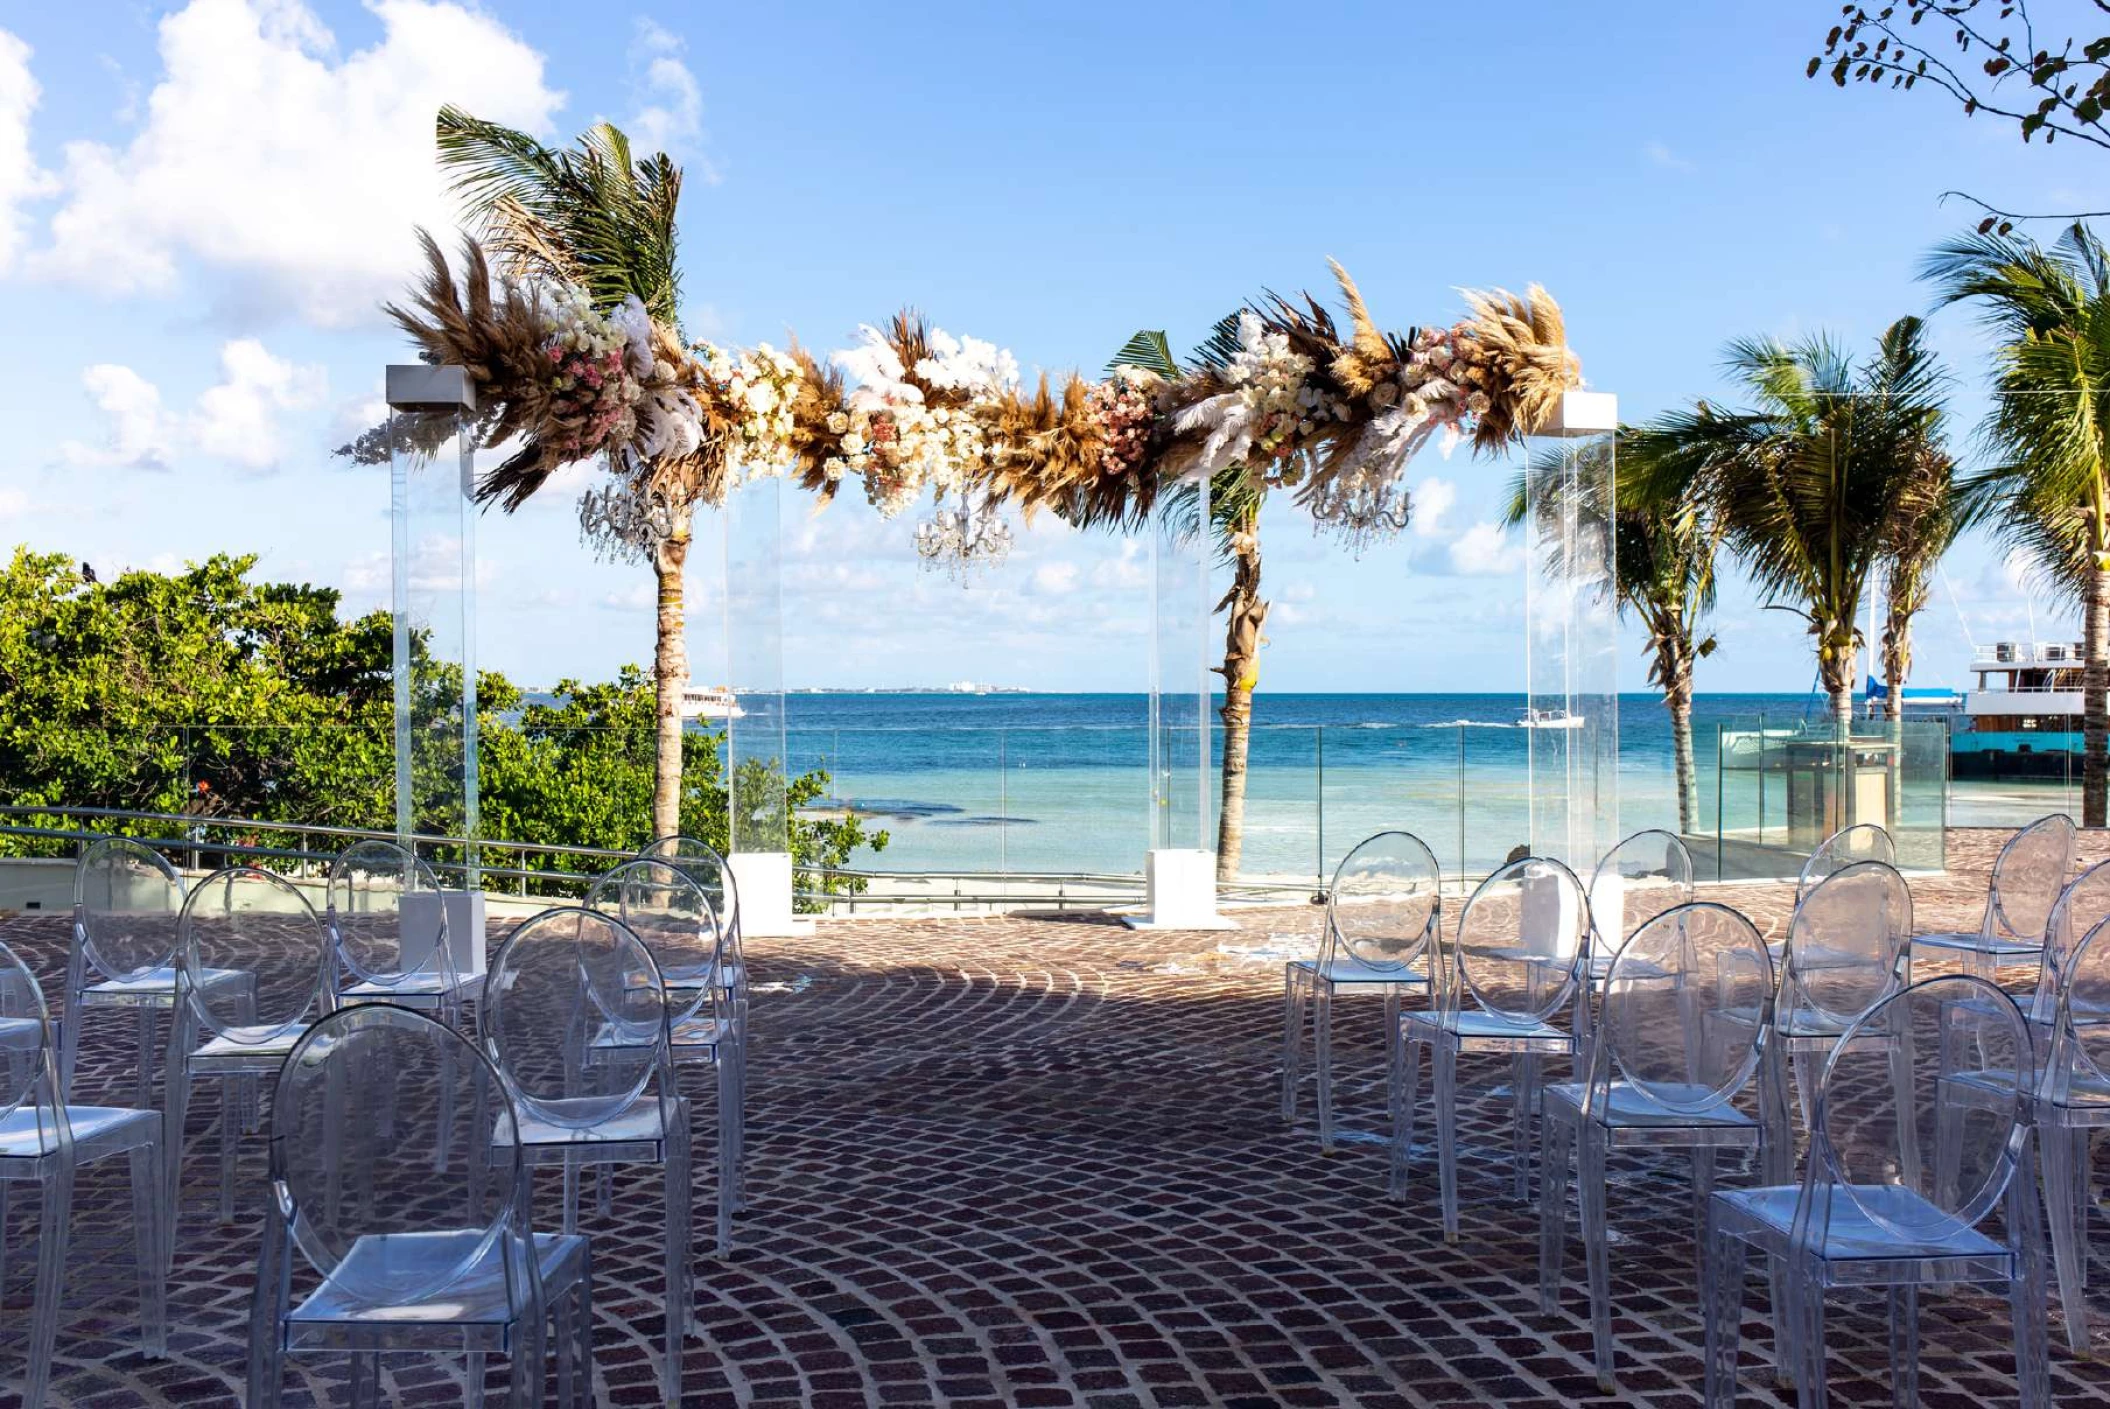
(14,503)
(20,178)
(669,101)
(1128,572)
(268,158)
(1432,499)
(235,421)
(1056,579)
(1661,155)
(1484,550)
(639,596)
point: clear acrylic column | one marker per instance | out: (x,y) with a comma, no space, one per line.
(759,849)
(1180,868)
(1572,634)
(433,511)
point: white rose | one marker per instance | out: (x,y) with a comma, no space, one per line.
(761,398)
(837,423)
(854,442)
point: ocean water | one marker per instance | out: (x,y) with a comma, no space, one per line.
(1021,783)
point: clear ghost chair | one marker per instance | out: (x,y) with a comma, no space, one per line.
(1510,967)
(1656,1077)
(701,863)
(253,920)
(1847,950)
(572,982)
(2084,904)
(380,957)
(2072,1103)
(1864,841)
(1383,911)
(2028,876)
(1869,1213)
(410,1264)
(43,1140)
(671,913)
(126,898)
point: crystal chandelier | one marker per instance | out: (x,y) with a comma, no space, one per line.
(1362,506)
(964,540)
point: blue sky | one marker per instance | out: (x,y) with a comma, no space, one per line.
(205,202)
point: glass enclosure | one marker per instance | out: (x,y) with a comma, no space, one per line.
(754,650)
(1571,714)
(1181,698)
(1781,786)
(432,477)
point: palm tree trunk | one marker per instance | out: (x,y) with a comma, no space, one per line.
(1836,669)
(1247,614)
(2095,685)
(1677,698)
(670,675)
(1897,668)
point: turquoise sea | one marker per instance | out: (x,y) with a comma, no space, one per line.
(1059,782)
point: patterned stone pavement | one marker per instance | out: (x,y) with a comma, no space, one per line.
(1039,1161)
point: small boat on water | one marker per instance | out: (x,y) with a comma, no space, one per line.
(1549,719)
(716,702)
(2024,718)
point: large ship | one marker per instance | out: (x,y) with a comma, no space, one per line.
(2023,719)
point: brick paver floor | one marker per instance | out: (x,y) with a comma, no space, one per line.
(1040,1161)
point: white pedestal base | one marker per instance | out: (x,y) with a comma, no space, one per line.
(465,925)
(763,880)
(1180,887)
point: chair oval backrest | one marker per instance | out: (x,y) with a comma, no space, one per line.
(1864,841)
(1670,983)
(2077,1070)
(575,1016)
(2028,876)
(1919,1163)
(1519,940)
(1385,903)
(670,912)
(1846,945)
(25,1035)
(370,1101)
(701,862)
(369,884)
(126,897)
(1646,874)
(2084,904)
(245,921)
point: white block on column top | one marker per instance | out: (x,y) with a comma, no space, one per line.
(1585,413)
(465,926)
(1180,892)
(763,881)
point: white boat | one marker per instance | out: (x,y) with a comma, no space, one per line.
(1549,719)
(2024,718)
(697,702)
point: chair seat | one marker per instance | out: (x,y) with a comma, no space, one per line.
(699,1030)
(155,983)
(1357,971)
(1624,1107)
(1473,1025)
(1800,1023)
(263,1043)
(22,1137)
(639,1122)
(1980,944)
(1853,1235)
(20,1033)
(411,987)
(477,1297)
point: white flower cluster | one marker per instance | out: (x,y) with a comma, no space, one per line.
(893,439)
(1269,410)
(757,390)
(968,364)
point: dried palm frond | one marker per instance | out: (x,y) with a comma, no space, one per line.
(1368,358)
(823,391)
(1522,346)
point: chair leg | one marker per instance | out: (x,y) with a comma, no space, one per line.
(1905,1346)
(2063,1207)
(143,1077)
(1523,1105)
(1811,1392)
(1322,1056)
(51,1278)
(1722,1289)
(175,1087)
(1445,1058)
(1596,1252)
(1406,1097)
(1292,1038)
(366,1379)
(1553,1208)
(266,1357)
(584,1293)
(678,1244)
(728,1154)
(230,1136)
(473,1379)
(147,1204)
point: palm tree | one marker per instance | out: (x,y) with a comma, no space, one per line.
(2048,486)
(600,219)
(1806,483)
(1929,516)
(1664,556)
(1235,502)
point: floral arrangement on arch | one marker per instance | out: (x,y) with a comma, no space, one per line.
(1280,391)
